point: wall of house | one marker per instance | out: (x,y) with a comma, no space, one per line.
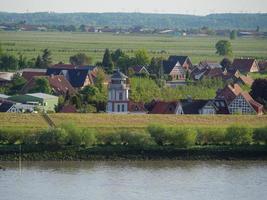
(240,106)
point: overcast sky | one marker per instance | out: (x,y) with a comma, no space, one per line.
(198,7)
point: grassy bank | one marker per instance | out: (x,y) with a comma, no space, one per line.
(106,122)
(70,142)
(65,44)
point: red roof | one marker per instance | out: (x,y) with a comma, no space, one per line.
(256,106)
(243,65)
(68,109)
(136,107)
(229,92)
(29,75)
(163,107)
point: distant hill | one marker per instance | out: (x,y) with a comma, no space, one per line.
(125,20)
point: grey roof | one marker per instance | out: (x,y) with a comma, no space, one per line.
(3,96)
(42,95)
(32,70)
(118,75)
(4,107)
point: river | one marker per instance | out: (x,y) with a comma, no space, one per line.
(123,180)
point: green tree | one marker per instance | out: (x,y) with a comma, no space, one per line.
(116,55)
(142,57)
(80,59)
(22,62)
(42,85)
(156,67)
(8,62)
(233,35)
(46,58)
(38,62)
(99,79)
(82,28)
(16,84)
(107,62)
(224,48)
(1,50)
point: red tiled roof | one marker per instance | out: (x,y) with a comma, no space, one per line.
(68,109)
(257,106)
(243,65)
(61,85)
(162,107)
(58,83)
(29,75)
(229,92)
(246,80)
(136,107)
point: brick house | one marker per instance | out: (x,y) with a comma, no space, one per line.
(245,65)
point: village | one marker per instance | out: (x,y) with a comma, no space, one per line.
(68,82)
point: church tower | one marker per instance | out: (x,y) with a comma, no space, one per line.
(118,93)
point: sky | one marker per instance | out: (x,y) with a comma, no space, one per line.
(196,7)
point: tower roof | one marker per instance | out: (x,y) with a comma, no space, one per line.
(118,75)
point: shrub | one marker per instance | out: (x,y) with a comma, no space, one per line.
(111,138)
(73,134)
(260,135)
(184,137)
(237,135)
(53,136)
(212,136)
(135,138)
(160,134)
(88,138)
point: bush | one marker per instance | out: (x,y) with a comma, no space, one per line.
(184,137)
(74,135)
(211,136)
(160,134)
(134,138)
(53,136)
(111,138)
(237,135)
(88,138)
(260,135)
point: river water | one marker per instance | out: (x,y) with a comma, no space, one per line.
(123,180)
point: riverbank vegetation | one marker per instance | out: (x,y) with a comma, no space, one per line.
(69,139)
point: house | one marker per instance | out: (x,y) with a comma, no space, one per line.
(263,65)
(136,108)
(58,83)
(12,107)
(174,70)
(166,107)
(5,78)
(195,107)
(244,80)
(184,61)
(239,101)
(41,101)
(78,76)
(245,65)
(139,70)
(29,73)
(207,69)
(177,66)
(215,106)
(68,109)
(118,93)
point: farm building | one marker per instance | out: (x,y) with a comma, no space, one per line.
(43,102)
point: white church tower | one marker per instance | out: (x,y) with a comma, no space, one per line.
(118,93)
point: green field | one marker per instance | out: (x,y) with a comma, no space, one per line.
(107,121)
(65,44)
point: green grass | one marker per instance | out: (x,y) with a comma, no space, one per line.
(63,45)
(258,75)
(107,122)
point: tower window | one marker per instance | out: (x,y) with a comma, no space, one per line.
(122,108)
(120,95)
(118,108)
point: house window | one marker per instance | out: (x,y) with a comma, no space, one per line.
(118,108)
(122,108)
(120,96)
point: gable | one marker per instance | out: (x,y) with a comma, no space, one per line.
(240,105)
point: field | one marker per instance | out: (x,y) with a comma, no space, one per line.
(65,44)
(106,121)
